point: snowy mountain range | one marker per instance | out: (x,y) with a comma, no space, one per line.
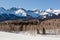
(20,13)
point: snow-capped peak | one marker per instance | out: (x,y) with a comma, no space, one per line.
(49,10)
(37,11)
(20,12)
(43,13)
(56,12)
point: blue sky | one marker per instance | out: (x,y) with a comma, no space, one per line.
(31,4)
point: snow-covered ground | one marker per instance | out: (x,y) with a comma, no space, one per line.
(22,36)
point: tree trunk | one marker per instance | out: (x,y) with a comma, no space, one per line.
(38,31)
(44,32)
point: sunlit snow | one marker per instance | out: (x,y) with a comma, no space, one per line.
(20,36)
(20,12)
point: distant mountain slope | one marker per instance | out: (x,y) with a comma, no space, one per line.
(20,13)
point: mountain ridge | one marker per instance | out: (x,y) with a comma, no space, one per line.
(20,13)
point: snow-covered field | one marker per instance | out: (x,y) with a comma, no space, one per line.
(22,36)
